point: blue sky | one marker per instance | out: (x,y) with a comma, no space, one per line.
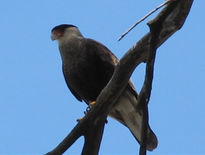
(36,108)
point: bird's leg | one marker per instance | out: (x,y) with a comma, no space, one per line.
(79,119)
(85,112)
(91,103)
(90,106)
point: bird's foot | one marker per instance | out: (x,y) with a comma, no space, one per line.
(92,103)
(79,119)
(85,112)
(87,109)
(90,106)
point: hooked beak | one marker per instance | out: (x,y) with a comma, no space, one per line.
(53,37)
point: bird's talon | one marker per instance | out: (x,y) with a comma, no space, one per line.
(79,119)
(87,109)
(92,103)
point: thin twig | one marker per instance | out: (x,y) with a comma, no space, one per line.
(147,15)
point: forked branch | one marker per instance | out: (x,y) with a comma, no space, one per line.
(174,15)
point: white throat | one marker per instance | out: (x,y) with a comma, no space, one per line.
(70,34)
(70,44)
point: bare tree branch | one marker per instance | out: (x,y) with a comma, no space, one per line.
(93,137)
(145,93)
(143,18)
(172,21)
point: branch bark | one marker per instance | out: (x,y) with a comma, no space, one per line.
(172,21)
(93,137)
(145,93)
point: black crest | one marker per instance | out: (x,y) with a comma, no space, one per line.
(62,27)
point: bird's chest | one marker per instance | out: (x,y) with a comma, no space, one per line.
(79,64)
(84,76)
(81,69)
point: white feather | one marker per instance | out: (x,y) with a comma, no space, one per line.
(125,112)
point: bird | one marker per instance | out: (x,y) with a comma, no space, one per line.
(87,67)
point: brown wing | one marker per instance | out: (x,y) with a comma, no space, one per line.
(109,59)
(72,91)
(97,66)
(90,71)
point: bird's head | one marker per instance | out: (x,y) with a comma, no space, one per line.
(64,31)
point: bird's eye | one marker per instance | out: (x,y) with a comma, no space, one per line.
(58,33)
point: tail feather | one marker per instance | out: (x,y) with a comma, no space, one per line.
(125,112)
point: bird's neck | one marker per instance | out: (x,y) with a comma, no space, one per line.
(70,48)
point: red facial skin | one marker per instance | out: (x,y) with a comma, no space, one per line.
(57,33)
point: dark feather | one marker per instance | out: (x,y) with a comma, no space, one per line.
(88,66)
(72,91)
